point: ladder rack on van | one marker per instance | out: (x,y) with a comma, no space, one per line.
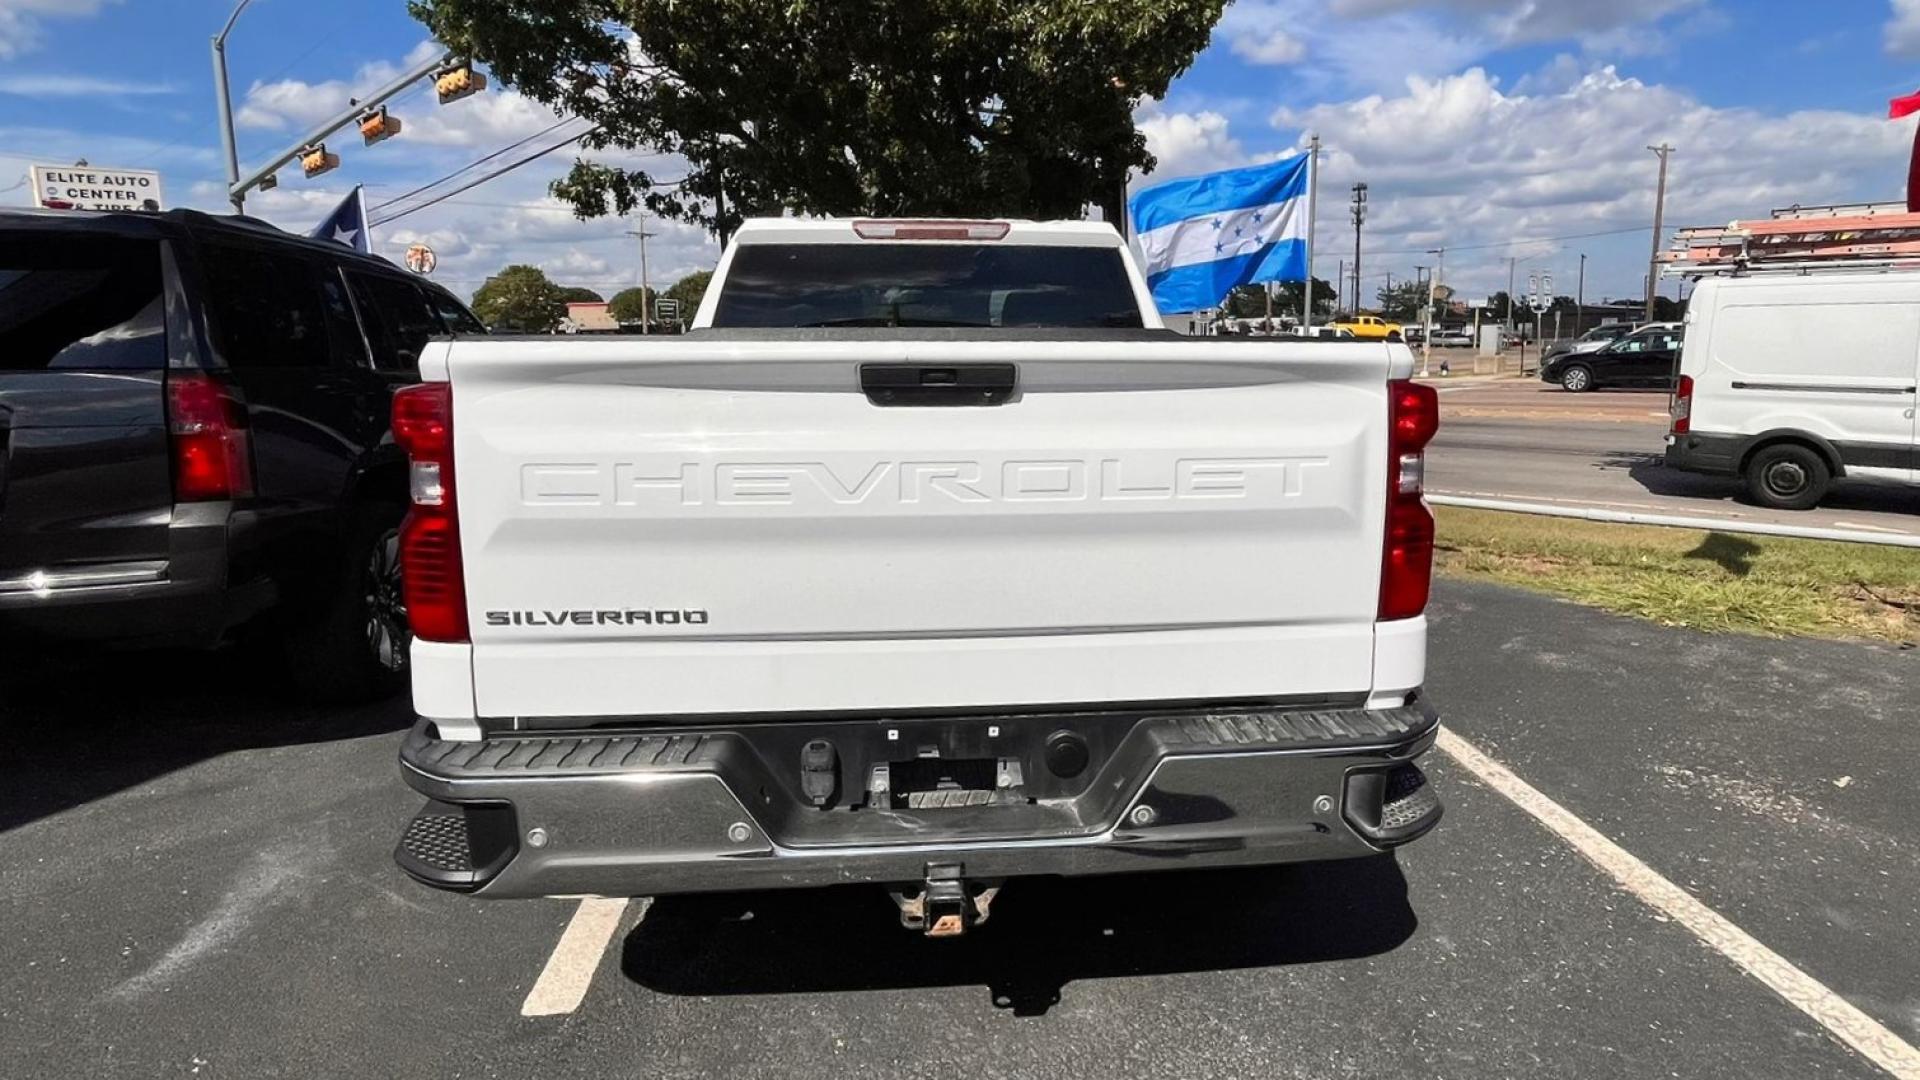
(1857,236)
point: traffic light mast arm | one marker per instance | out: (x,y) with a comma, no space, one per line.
(349,116)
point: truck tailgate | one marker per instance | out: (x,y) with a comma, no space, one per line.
(711,525)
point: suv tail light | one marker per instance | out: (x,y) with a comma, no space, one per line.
(1406,565)
(207,433)
(1683,406)
(430,573)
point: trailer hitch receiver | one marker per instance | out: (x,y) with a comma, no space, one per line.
(946,904)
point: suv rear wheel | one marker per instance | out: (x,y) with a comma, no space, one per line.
(1787,476)
(352,644)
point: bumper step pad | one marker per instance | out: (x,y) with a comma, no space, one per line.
(457,847)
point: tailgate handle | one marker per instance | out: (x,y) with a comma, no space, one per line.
(938,384)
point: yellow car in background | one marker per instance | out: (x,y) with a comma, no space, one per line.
(1370,327)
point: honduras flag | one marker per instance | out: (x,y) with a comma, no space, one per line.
(1206,234)
(348,223)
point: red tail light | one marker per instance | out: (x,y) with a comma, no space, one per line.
(430,572)
(1406,565)
(1683,406)
(207,430)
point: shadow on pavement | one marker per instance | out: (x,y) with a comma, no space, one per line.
(1044,934)
(1650,472)
(81,725)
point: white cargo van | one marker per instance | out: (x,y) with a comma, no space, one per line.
(1790,381)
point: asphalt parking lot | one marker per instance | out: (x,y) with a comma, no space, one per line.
(197,883)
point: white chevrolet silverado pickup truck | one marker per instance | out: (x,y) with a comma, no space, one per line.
(927,559)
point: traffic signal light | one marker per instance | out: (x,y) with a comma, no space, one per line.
(315,160)
(377,125)
(457,82)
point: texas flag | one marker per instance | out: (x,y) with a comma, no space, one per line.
(347,224)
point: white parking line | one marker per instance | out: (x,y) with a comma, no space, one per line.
(563,982)
(1851,1026)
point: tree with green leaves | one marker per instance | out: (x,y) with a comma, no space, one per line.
(689,290)
(575,294)
(1019,108)
(520,298)
(625,306)
(1403,302)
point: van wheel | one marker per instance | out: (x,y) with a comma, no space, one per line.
(1787,476)
(352,644)
(1578,378)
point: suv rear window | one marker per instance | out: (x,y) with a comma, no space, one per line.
(925,284)
(397,319)
(270,309)
(80,302)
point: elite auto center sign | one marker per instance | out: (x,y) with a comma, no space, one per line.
(83,187)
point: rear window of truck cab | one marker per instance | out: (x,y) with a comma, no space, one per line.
(926,284)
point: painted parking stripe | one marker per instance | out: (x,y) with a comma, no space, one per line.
(1851,1026)
(563,982)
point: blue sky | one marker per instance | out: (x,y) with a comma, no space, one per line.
(1489,126)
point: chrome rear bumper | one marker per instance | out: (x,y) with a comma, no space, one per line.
(653,811)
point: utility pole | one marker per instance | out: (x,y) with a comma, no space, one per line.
(1512,262)
(1659,224)
(225,98)
(1580,298)
(1433,285)
(646,307)
(1359,219)
(1339,287)
(1313,207)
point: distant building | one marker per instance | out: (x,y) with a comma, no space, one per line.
(589,317)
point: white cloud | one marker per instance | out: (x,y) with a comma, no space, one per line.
(1903,30)
(1461,162)
(1520,21)
(64,86)
(1335,55)
(21,28)
(1186,143)
(490,119)
(1273,47)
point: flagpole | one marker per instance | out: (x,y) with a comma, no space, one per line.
(360,196)
(1313,206)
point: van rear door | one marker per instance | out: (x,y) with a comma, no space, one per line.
(85,484)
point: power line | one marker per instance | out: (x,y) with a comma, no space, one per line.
(1517,243)
(515,145)
(476,182)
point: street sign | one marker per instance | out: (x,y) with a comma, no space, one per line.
(83,187)
(420,259)
(1539,292)
(666,308)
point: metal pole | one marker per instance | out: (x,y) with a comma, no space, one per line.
(1507,318)
(350,115)
(646,309)
(1659,224)
(1580,299)
(1339,286)
(1359,219)
(1313,204)
(224,95)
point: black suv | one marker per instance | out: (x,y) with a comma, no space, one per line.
(193,437)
